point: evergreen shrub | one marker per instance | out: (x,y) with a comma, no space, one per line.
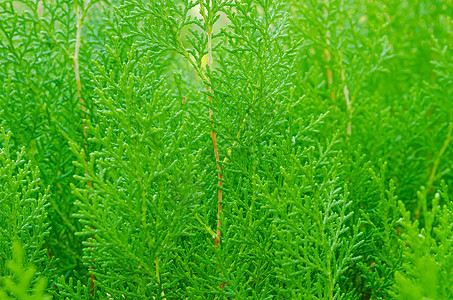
(234,149)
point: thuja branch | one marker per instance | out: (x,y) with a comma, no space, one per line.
(79,25)
(208,20)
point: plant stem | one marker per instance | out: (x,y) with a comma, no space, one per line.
(349,109)
(444,148)
(76,60)
(327,56)
(208,18)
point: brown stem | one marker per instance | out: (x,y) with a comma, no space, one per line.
(219,174)
(208,23)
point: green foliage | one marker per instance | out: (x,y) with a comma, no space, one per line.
(428,257)
(39,101)
(74,290)
(19,285)
(23,205)
(228,149)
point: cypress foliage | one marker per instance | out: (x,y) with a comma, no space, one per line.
(24,222)
(226,149)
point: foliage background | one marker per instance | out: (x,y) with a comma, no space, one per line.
(332,122)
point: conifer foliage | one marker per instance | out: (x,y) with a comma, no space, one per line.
(226,149)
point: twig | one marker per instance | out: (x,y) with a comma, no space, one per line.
(208,22)
(444,148)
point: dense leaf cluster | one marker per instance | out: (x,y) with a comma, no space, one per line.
(240,149)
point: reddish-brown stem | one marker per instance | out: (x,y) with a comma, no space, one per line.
(208,22)
(220,177)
